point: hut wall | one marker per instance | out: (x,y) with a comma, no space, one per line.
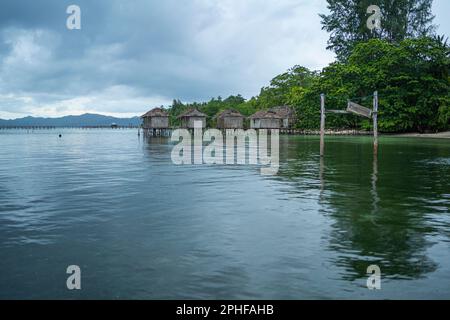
(255,123)
(270,123)
(289,122)
(146,123)
(188,122)
(220,123)
(230,123)
(159,122)
(234,123)
(265,123)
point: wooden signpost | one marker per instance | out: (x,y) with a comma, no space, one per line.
(355,109)
(375,122)
(359,110)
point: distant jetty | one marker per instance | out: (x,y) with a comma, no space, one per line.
(68,127)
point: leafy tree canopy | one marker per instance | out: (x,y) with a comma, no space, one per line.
(411,76)
(412,79)
(400,19)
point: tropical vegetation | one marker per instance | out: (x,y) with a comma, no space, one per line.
(404,61)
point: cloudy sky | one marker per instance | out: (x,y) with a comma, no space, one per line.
(130,56)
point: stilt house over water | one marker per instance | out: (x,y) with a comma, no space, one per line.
(156,118)
(189,117)
(230,119)
(287,114)
(265,120)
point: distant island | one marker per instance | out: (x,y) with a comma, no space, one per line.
(84,120)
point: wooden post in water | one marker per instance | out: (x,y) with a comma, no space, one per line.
(375,122)
(322,124)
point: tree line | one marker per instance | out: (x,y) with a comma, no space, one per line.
(404,60)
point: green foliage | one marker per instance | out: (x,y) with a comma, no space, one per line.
(276,94)
(400,19)
(279,90)
(412,79)
(210,108)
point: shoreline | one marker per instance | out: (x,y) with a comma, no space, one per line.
(330,132)
(298,132)
(439,135)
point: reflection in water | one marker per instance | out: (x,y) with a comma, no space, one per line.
(321,177)
(141,227)
(379,217)
(375,197)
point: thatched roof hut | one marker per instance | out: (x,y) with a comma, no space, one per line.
(287,115)
(190,116)
(156,112)
(156,118)
(230,119)
(265,119)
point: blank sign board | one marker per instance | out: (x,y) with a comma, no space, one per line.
(359,110)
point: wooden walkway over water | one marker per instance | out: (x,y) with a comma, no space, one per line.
(64,127)
(167,132)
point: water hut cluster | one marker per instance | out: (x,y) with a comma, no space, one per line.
(156,121)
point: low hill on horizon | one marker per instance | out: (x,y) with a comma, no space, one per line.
(84,120)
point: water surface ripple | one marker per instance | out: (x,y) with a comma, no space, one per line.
(140,227)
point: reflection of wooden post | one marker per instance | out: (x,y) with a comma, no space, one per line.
(322,124)
(375,122)
(321,170)
(374,192)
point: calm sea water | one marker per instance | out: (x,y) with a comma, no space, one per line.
(142,228)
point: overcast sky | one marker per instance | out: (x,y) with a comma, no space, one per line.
(130,56)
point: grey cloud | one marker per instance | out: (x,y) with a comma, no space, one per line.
(130,55)
(137,43)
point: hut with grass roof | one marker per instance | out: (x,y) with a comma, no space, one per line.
(265,119)
(191,116)
(230,119)
(287,115)
(156,118)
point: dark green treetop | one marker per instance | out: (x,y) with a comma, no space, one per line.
(400,19)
